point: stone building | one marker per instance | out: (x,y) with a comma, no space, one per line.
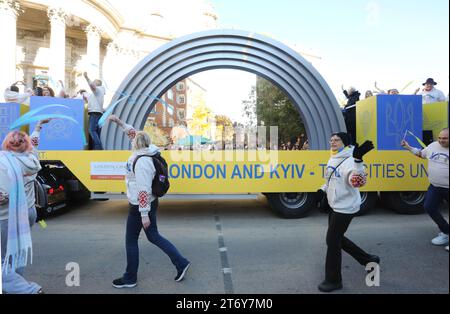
(47,41)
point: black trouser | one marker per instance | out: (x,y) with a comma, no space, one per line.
(336,242)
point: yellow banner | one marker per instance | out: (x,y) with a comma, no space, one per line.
(236,172)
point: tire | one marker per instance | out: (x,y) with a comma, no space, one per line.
(80,197)
(404,203)
(42,206)
(368,202)
(291,205)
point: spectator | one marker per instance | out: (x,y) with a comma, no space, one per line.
(350,112)
(47,91)
(429,93)
(438,157)
(369,94)
(393,92)
(12,95)
(95,110)
(38,91)
(61,90)
(306,145)
(379,91)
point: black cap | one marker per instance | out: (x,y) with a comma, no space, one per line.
(344,137)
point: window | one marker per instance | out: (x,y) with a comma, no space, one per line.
(181,86)
(170,94)
(181,99)
(181,113)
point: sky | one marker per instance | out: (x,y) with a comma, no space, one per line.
(359,42)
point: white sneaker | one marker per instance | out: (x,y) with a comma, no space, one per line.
(441,239)
(446,248)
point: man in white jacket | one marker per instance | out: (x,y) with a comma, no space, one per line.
(437,155)
(143,207)
(430,94)
(345,173)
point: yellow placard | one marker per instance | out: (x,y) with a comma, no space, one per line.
(366,117)
(435,117)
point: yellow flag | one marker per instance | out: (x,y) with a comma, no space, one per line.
(418,140)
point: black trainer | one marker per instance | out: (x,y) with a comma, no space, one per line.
(120,284)
(329,286)
(374,259)
(181,273)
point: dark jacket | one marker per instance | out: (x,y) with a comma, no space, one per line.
(350,113)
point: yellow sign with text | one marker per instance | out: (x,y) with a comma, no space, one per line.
(240,172)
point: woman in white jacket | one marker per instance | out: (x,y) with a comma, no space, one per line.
(143,208)
(345,173)
(23,153)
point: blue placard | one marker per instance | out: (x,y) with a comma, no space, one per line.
(397,115)
(9,112)
(60,134)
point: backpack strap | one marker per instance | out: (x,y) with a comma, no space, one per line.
(335,169)
(136,160)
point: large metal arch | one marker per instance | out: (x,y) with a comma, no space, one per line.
(226,49)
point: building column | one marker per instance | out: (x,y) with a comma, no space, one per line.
(57,45)
(93,51)
(9,10)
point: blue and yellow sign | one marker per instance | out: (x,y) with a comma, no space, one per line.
(234,172)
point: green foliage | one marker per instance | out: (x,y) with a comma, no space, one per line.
(272,107)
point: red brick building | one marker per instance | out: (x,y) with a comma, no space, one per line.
(165,117)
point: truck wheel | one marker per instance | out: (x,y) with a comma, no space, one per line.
(405,203)
(368,202)
(42,207)
(291,205)
(77,192)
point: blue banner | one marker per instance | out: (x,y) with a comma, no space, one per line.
(396,116)
(60,134)
(9,113)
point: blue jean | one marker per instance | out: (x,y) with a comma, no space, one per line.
(432,200)
(15,283)
(94,130)
(134,227)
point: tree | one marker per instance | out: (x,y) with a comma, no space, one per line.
(273,108)
(225,129)
(249,110)
(199,125)
(159,138)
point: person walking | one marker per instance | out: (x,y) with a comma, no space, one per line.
(344,175)
(140,172)
(19,165)
(437,155)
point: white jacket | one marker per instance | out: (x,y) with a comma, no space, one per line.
(30,167)
(434,95)
(438,158)
(15,97)
(96,100)
(139,182)
(342,196)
